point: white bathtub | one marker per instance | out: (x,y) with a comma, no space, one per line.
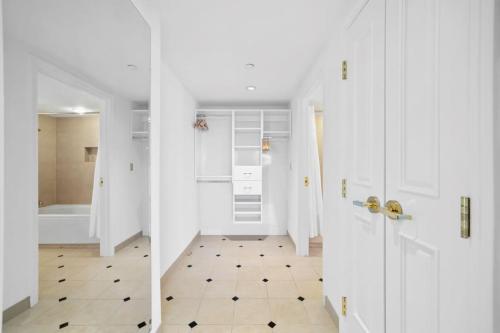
(64,224)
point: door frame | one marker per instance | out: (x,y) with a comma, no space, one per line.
(302,246)
(41,66)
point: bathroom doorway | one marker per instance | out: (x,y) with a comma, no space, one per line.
(71,200)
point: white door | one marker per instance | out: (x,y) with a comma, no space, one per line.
(364,108)
(429,165)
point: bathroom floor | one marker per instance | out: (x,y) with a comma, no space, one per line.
(233,285)
(83,292)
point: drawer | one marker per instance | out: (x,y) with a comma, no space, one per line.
(250,187)
(247,173)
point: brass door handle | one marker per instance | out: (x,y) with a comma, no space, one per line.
(372,203)
(394,211)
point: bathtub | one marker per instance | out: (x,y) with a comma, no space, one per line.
(64,224)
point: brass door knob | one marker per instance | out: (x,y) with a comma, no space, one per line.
(394,211)
(372,203)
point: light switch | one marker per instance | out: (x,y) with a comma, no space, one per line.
(131,166)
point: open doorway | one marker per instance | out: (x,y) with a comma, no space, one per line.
(316,242)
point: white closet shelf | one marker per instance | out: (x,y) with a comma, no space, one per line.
(277,133)
(247,213)
(246,147)
(214,179)
(247,129)
(140,135)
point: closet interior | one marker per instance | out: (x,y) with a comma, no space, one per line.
(242,163)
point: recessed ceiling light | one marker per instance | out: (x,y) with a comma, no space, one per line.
(132,67)
(251,88)
(250,66)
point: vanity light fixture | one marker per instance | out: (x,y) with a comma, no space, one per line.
(251,88)
(266,144)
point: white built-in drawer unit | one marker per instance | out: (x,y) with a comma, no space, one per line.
(247,173)
(247,187)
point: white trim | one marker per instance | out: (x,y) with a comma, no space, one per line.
(2,161)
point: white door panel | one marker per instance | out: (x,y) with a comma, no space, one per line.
(365,110)
(427,148)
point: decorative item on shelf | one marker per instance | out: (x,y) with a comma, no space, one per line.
(266,144)
(201,124)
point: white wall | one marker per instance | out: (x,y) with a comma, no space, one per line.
(2,161)
(20,281)
(496,279)
(128,189)
(178,194)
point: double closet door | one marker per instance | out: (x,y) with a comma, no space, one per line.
(409,160)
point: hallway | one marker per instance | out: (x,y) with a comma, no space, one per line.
(244,284)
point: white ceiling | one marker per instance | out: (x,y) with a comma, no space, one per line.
(57,97)
(207,43)
(96,38)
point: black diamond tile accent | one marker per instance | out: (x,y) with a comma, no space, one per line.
(280,246)
(116,281)
(239,266)
(300,298)
(146,255)
(169,298)
(59,256)
(63,325)
(271,324)
(235,298)
(109,266)
(62,299)
(62,280)
(126,299)
(241,246)
(209,280)
(141,324)
(193,324)
(189,266)
(136,247)
(288,266)
(202,245)
(265,280)
(260,239)
(320,279)
(261,255)
(223,239)
(61,266)
(217,255)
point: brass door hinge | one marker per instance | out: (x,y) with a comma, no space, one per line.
(344,188)
(344,306)
(306,181)
(344,70)
(465,217)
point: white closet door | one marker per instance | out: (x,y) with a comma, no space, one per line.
(364,107)
(429,165)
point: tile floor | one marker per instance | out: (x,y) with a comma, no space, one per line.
(82,292)
(239,286)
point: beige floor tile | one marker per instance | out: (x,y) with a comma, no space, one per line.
(251,273)
(310,289)
(131,312)
(212,329)
(28,316)
(251,289)
(252,311)
(278,273)
(282,289)
(175,329)
(307,273)
(289,311)
(95,312)
(184,289)
(317,312)
(90,290)
(251,329)
(294,328)
(215,312)
(180,311)
(220,289)
(30,329)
